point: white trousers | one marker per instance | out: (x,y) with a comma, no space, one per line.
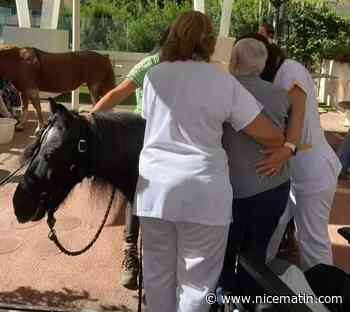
(311,214)
(181,263)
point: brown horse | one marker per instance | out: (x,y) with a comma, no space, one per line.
(32,70)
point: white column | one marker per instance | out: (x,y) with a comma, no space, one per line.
(23,13)
(198,5)
(50,13)
(225,18)
(76,45)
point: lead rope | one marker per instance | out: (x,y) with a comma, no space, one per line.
(52,234)
(12,174)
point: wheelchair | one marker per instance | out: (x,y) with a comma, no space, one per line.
(269,282)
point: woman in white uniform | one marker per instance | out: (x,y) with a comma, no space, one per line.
(314,172)
(184,196)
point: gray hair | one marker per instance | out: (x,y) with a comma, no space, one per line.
(248,57)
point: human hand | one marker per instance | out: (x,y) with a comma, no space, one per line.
(275,159)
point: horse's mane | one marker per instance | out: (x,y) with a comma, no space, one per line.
(102,128)
(118,134)
(117,142)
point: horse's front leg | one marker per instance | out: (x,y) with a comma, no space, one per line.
(24,115)
(35,99)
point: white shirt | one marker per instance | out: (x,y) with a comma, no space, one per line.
(317,169)
(183,169)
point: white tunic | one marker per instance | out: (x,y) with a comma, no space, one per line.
(317,169)
(183,167)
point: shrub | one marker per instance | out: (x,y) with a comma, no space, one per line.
(146,29)
(313,32)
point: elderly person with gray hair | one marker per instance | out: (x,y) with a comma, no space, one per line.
(259,201)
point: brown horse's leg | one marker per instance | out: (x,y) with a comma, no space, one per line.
(35,99)
(93,89)
(24,116)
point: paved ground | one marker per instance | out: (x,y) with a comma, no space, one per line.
(34,272)
(333,123)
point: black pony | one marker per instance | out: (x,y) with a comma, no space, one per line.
(72,148)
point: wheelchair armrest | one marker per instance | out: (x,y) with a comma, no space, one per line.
(271,283)
(345,232)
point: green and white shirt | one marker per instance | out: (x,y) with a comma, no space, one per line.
(137,75)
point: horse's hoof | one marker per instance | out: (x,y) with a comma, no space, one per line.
(19,127)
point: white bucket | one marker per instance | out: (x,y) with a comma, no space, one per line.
(7,130)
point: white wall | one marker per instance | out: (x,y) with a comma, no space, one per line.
(337,88)
(44,39)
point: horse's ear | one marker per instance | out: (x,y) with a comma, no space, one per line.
(56,107)
(53,106)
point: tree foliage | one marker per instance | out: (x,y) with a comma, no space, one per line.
(314,32)
(125,25)
(312,29)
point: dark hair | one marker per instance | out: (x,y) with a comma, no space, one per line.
(191,37)
(275,57)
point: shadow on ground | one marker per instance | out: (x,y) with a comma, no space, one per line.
(65,298)
(113,308)
(4,173)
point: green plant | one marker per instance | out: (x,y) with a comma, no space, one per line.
(313,31)
(146,29)
(100,21)
(247,14)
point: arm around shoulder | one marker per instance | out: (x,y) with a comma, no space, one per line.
(263,131)
(248,118)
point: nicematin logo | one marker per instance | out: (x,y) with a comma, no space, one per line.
(221,299)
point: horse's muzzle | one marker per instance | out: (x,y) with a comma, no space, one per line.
(26,207)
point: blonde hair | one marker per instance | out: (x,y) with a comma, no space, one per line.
(191,38)
(248,57)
